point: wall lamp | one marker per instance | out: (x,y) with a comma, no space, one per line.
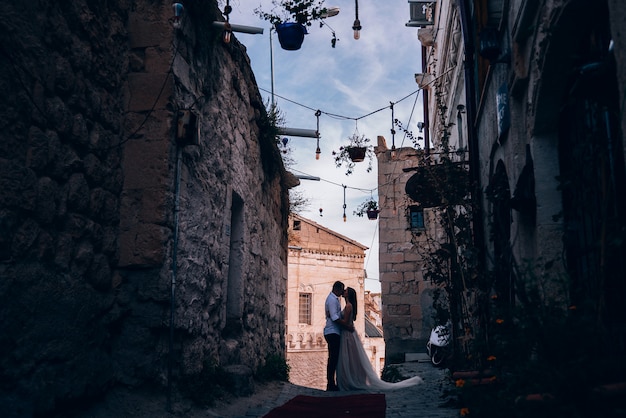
(308,133)
(229,28)
(239,28)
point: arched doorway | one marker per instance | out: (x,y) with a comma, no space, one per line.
(504,281)
(592,176)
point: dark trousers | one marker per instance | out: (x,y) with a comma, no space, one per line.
(333,357)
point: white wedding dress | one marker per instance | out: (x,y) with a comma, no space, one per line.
(354,370)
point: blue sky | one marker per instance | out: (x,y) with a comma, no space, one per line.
(346,83)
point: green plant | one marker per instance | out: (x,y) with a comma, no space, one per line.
(269,124)
(345,156)
(301,11)
(275,367)
(548,358)
(391,374)
(368,206)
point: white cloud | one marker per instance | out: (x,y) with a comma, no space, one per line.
(351,80)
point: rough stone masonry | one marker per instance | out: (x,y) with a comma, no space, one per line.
(109,218)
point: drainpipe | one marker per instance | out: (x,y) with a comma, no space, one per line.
(425,101)
(472,137)
(174,269)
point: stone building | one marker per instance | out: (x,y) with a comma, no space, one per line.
(374,341)
(406,297)
(408,222)
(318,257)
(548,119)
(526,99)
(411,223)
(143,204)
(537,93)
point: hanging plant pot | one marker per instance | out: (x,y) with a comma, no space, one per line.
(372,214)
(290,35)
(357,154)
(357,150)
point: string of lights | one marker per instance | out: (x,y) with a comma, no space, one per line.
(343,117)
(369,255)
(335,115)
(360,188)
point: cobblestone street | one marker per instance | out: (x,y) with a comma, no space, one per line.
(424,400)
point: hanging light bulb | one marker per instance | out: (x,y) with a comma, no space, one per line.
(393,134)
(228,31)
(356,26)
(318,151)
(344,202)
(321,210)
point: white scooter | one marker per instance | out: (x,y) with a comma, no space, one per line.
(437,345)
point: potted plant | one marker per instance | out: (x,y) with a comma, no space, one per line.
(291,17)
(369,208)
(356,151)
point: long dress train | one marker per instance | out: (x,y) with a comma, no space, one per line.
(354,370)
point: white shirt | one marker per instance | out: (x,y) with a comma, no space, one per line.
(333,313)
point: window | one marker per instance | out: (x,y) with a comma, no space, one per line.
(416,217)
(236,268)
(296,225)
(304,308)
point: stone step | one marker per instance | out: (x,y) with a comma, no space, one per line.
(419,357)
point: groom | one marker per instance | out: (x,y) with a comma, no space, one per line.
(332,332)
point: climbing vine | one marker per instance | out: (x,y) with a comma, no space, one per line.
(450,259)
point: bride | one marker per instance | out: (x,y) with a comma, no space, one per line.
(354,370)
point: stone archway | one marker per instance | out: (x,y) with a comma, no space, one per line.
(576,120)
(592,179)
(500,196)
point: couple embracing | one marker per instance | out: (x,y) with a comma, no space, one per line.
(346,356)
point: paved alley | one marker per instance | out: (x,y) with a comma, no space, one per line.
(424,400)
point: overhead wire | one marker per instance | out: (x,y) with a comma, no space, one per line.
(334,183)
(343,117)
(369,255)
(375,188)
(335,115)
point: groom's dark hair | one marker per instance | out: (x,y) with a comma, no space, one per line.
(339,286)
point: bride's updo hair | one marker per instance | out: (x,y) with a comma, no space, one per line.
(352,300)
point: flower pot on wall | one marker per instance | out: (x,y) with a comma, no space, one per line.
(290,35)
(357,154)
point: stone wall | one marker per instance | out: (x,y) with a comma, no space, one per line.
(63,68)
(537,92)
(406,297)
(374,343)
(618,22)
(233,206)
(107,219)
